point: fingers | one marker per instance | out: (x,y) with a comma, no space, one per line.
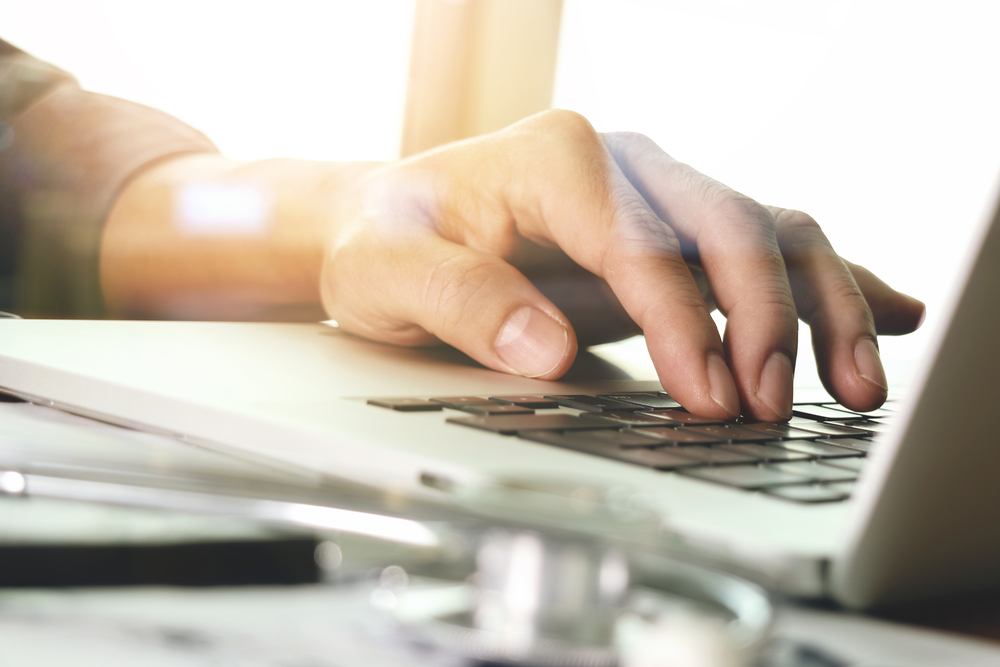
(895,313)
(829,299)
(575,196)
(734,240)
(440,290)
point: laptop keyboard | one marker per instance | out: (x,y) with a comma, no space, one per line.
(813,458)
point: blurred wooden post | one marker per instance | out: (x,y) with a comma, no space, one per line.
(477,66)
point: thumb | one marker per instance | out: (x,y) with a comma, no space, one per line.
(532,343)
(467,298)
(482,305)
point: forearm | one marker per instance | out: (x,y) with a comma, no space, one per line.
(204,237)
(65,154)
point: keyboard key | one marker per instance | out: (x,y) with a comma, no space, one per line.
(730,433)
(592,403)
(659,459)
(496,409)
(816,471)
(868,425)
(818,493)
(826,429)
(458,401)
(406,404)
(745,477)
(510,424)
(768,452)
(880,413)
(859,444)
(630,418)
(533,402)
(684,417)
(847,488)
(674,436)
(824,449)
(715,455)
(823,413)
(644,399)
(568,439)
(619,438)
(778,431)
(855,464)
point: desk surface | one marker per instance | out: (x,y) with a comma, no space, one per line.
(330,626)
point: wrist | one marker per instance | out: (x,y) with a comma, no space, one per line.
(204,237)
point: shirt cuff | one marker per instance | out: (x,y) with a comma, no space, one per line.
(63,161)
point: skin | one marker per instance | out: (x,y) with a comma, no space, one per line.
(517,247)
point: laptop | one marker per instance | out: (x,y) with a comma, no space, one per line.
(867,509)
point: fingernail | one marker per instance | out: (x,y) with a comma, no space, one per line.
(721,386)
(775,388)
(923,316)
(869,364)
(532,343)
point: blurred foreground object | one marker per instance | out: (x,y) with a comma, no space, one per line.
(548,592)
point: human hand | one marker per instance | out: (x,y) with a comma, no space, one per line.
(496,244)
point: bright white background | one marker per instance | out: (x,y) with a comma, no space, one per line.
(879,117)
(323,79)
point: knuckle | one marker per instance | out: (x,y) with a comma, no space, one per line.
(770,300)
(730,215)
(567,126)
(794,219)
(795,228)
(633,141)
(746,229)
(776,296)
(843,288)
(637,154)
(764,292)
(737,210)
(569,120)
(825,306)
(638,233)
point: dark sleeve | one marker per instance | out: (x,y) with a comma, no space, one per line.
(65,153)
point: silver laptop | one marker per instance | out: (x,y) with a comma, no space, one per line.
(867,509)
